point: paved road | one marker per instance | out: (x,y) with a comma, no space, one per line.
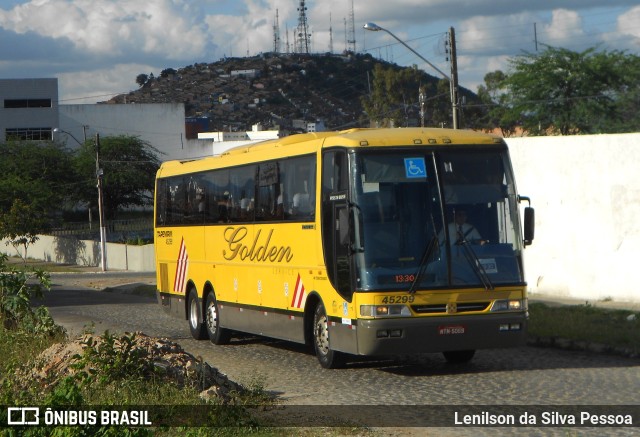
(525,376)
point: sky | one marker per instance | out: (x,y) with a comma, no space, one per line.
(96,48)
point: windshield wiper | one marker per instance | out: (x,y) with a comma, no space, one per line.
(474,261)
(426,255)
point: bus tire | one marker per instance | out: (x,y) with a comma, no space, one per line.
(196,325)
(217,335)
(329,359)
(459,357)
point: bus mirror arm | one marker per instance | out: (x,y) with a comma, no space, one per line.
(524,199)
(356,249)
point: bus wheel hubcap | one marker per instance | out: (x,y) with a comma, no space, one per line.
(212,317)
(322,335)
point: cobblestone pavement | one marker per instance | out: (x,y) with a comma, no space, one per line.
(523,376)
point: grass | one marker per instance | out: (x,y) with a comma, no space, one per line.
(51,267)
(130,384)
(618,330)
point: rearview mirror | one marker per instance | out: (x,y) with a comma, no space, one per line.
(529,225)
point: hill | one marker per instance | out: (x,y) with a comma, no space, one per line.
(275,90)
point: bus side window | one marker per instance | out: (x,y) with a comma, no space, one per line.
(241,191)
(216,196)
(162,198)
(300,184)
(267,191)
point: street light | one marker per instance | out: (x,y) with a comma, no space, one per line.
(99,174)
(454,104)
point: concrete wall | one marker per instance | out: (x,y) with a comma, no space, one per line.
(586,192)
(87,253)
(160,124)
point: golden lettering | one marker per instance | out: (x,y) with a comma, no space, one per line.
(256,250)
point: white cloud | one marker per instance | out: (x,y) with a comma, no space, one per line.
(565,27)
(111,28)
(496,34)
(99,46)
(99,85)
(628,25)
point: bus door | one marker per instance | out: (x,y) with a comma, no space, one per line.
(337,219)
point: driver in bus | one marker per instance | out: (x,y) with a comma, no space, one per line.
(461,232)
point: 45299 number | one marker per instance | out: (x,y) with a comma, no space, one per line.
(398,299)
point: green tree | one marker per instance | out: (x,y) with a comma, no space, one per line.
(36,180)
(394,93)
(20,226)
(168,72)
(129,166)
(141,79)
(493,95)
(39,174)
(559,91)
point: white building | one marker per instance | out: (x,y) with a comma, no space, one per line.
(28,109)
(223,141)
(160,124)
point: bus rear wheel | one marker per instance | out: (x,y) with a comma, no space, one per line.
(459,357)
(329,359)
(197,328)
(217,335)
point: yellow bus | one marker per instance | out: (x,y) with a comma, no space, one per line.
(369,242)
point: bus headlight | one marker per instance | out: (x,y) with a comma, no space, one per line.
(507,305)
(384,311)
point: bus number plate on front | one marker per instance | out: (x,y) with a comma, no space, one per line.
(451,330)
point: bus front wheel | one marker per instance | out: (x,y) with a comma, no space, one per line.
(329,359)
(197,328)
(217,335)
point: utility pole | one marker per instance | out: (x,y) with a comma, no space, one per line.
(453,83)
(103,229)
(454,68)
(422,96)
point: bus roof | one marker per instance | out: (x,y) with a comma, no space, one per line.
(311,142)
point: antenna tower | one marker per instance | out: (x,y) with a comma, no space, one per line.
(276,35)
(302,30)
(286,37)
(330,35)
(351,41)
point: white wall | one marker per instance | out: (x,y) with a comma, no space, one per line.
(68,250)
(586,192)
(160,124)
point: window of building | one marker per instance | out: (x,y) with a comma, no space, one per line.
(27,103)
(28,134)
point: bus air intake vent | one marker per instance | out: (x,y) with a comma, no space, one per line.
(465,307)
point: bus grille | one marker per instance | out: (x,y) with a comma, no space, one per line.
(465,307)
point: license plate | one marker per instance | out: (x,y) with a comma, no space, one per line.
(451,330)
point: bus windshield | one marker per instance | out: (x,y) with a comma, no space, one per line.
(435,219)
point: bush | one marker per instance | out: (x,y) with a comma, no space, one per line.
(17,289)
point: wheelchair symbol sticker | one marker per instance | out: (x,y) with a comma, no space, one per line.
(415,168)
